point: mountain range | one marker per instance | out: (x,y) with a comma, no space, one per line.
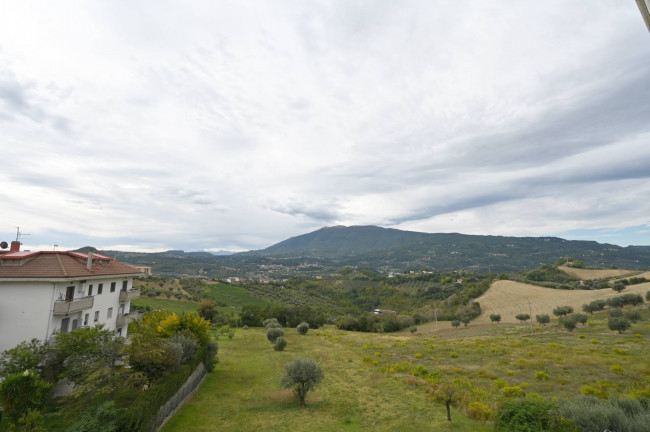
(384,249)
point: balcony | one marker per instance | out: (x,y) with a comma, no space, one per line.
(75,305)
(124,319)
(129,295)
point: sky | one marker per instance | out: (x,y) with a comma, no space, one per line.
(209,125)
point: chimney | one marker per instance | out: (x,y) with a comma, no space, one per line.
(15,246)
(89,261)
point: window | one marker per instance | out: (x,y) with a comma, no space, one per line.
(86,319)
(112,286)
(96,316)
(90,289)
(109,313)
(69,293)
(125,284)
(99,288)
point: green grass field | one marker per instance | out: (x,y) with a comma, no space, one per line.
(243,393)
(166,304)
(384,382)
(233,295)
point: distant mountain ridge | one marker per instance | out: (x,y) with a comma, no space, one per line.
(342,240)
(386,249)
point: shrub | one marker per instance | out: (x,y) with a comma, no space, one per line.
(272,333)
(22,392)
(413,329)
(496,317)
(185,346)
(541,376)
(268,321)
(512,391)
(303,328)
(524,416)
(618,287)
(479,411)
(647,296)
(455,323)
(588,413)
(543,319)
(280,344)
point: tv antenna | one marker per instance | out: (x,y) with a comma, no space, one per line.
(20,235)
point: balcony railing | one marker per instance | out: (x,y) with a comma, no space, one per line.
(124,319)
(129,295)
(74,305)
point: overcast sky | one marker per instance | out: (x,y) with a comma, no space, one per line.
(154,125)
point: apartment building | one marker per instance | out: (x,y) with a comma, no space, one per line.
(44,291)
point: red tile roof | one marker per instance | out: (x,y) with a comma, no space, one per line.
(55,265)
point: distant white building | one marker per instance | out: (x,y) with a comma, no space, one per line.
(41,292)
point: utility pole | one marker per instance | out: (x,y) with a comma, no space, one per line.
(435,311)
(530,311)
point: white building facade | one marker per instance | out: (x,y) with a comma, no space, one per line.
(43,292)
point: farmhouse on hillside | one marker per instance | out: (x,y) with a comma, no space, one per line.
(41,292)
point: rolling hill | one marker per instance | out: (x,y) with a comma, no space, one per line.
(329,249)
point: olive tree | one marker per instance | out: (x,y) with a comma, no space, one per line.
(272,333)
(302,376)
(543,319)
(280,344)
(303,328)
(523,317)
(618,324)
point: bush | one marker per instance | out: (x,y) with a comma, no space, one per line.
(524,416)
(272,333)
(268,321)
(543,319)
(280,344)
(413,329)
(618,287)
(185,346)
(455,323)
(303,328)
(588,413)
(479,411)
(541,376)
(22,392)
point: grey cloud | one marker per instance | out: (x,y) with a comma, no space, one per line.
(18,99)
(320,212)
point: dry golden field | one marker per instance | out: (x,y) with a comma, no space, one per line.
(589,274)
(509,298)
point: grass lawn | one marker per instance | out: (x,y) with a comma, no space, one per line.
(243,393)
(166,304)
(233,295)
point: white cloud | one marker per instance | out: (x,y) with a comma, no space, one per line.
(238,124)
